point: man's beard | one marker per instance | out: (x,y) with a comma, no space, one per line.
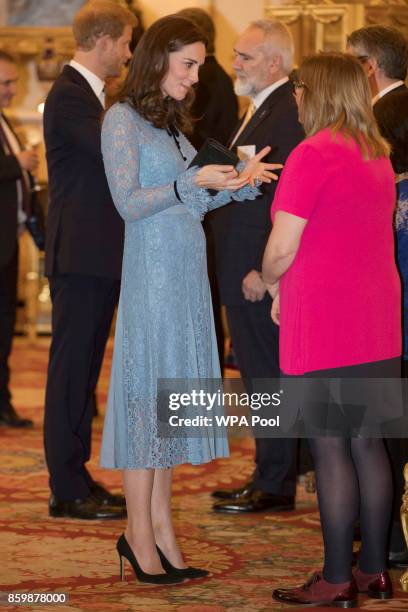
(243,87)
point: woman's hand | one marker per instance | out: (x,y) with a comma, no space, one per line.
(219,177)
(255,170)
(275,311)
(273,289)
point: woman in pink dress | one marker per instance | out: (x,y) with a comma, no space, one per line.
(330,267)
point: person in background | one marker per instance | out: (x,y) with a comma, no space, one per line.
(15,166)
(164,328)
(215,113)
(215,108)
(339,315)
(383,53)
(263,60)
(83,257)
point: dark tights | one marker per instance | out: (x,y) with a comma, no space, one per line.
(353,479)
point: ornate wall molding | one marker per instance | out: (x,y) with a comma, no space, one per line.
(30,41)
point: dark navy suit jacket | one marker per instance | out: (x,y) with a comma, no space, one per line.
(84,230)
(241,230)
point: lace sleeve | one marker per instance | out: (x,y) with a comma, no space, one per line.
(241,195)
(120,149)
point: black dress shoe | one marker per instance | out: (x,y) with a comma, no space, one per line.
(103,496)
(243,491)
(398,559)
(256,501)
(88,509)
(10,418)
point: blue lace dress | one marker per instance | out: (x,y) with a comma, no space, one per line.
(165,325)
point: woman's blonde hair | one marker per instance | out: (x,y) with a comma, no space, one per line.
(336,95)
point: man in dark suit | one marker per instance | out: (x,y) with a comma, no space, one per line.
(15,164)
(83,257)
(215,106)
(383,52)
(263,61)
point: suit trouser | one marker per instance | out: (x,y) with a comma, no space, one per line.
(83,309)
(215,294)
(255,339)
(8,306)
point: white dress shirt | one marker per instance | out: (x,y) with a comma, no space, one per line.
(260,98)
(387,90)
(256,102)
(97,85)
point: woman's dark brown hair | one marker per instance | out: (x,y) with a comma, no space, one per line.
(148,68)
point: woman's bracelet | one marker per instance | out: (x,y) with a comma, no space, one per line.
(176,192)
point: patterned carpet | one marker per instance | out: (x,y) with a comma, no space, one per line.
(247,556)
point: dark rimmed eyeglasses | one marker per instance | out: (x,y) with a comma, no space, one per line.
(298,85)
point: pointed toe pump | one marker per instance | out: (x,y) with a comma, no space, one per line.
(125,552)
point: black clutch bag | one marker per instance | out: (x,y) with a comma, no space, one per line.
(213,152)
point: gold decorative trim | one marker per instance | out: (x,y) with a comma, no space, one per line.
(404,521)
(30,41)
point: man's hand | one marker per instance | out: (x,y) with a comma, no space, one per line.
(253,287)
(28,160)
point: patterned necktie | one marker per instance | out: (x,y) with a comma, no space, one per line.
(248,116)
(24,181)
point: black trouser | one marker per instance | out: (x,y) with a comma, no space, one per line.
(215,294)
(83,309)
(255,339)
(8,306)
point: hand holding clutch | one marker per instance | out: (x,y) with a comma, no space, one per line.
(219,177)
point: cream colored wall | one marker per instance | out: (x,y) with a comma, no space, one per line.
(230,16)
(153,9)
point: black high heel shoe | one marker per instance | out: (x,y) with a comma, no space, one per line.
(188,572)
(124,551)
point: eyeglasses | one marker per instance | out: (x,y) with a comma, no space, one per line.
(298,85)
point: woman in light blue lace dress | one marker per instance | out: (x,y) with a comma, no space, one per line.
(164,326)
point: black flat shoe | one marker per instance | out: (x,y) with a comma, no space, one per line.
(233,494)
(124,551)
(87,509)
(105,497)
(256,501)
(187,572)
(10,418)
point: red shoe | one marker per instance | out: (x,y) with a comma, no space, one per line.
(317,591)
(378,586)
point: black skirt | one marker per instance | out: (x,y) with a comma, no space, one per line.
(361,400)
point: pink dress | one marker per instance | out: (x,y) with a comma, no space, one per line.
(340,299)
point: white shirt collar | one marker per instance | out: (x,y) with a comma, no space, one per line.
(94,81)
(260,98)
(387,90)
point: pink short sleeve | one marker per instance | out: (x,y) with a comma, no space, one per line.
(301,182)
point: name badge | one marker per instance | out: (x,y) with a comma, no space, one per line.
(246,151)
